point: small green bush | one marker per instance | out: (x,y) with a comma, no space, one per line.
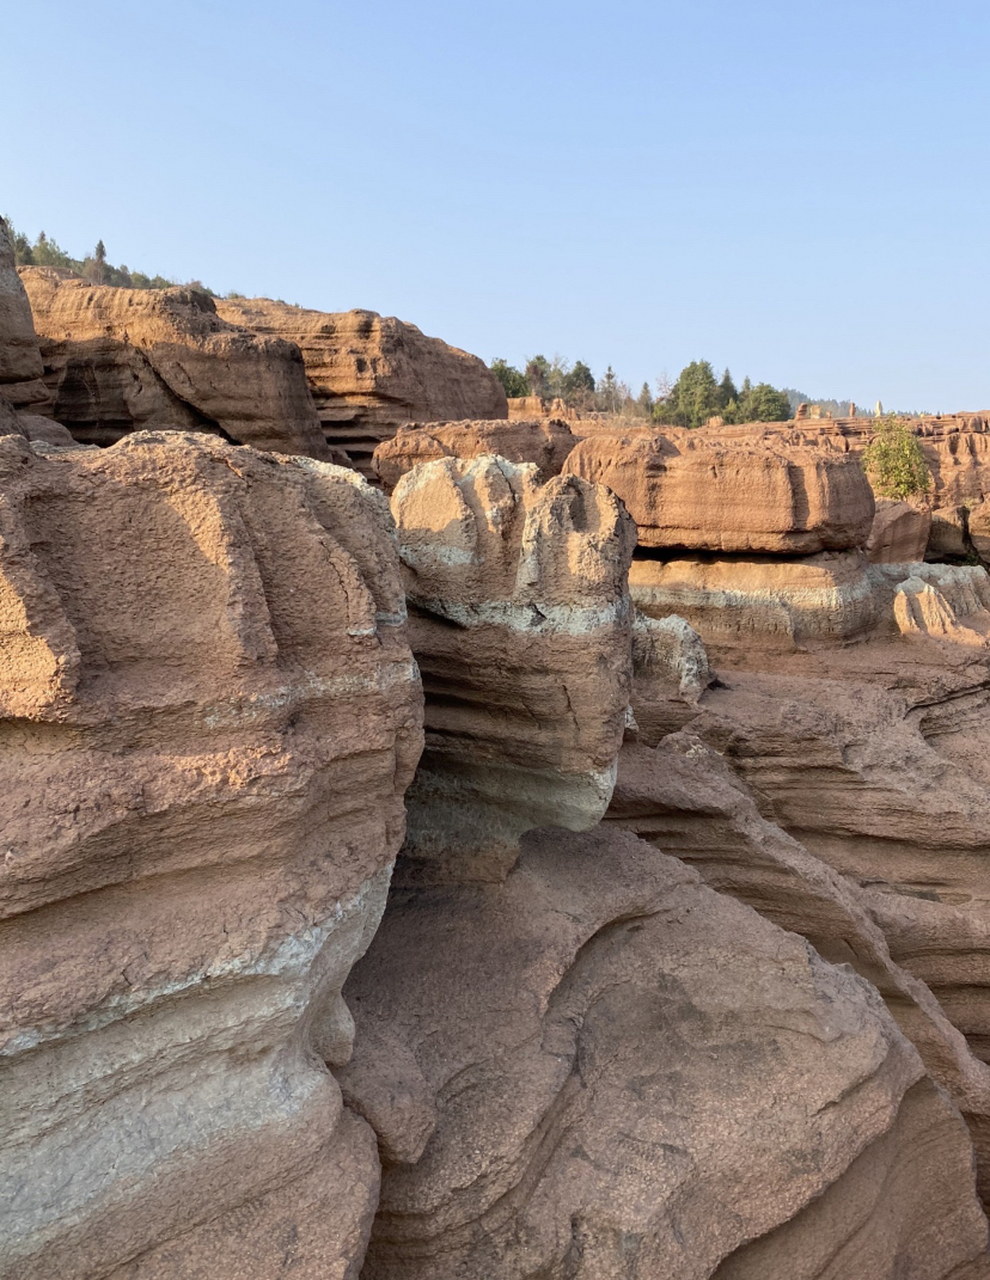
(894,461)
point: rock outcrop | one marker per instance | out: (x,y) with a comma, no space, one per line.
(369,374)
(210,713)
(899,534)
(603,1068)
(520,621)
(687,492)
(122,360)
(544,442)
(20,357)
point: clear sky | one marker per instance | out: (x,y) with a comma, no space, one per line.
(799,191)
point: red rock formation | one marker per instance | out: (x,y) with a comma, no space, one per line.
(119,360)
(685,491)
(20,358)
(545,443)
(520,622)
(210,714)
(369,373)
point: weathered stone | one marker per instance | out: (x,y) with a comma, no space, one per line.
(520,621)
(670,673)
(210,716)
(899,534)
(120,360)
(949,534)
(687,492)
(20,357)
(634,1076)
(546,443)
(370,373)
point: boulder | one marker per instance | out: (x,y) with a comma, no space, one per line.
(614,1071)
(899,534)
(20,357)
(979,529)
(544,442)
(520,622)
(687,492)
(210,714)
(370,373)
(121,360)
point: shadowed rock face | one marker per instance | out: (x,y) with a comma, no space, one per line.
(520,621)
(370,373)
(601,1068)
(20,357)
(121,360)
(210,714)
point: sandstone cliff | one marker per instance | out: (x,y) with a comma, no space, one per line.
(121,360)
(369,374)
(210,714)
(545,443)
(20,357)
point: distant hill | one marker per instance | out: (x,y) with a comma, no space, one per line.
(837,408)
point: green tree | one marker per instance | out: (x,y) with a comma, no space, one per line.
(693,398)
(645,400)
(538,375)
(609,394)
(762,403)
(727,392)
(513,381)
(894,461)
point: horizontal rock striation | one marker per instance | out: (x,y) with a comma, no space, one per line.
(545,443)
(520,621)
(122,360)
(369,373)
(209,715)
(610,1070)
(20,356)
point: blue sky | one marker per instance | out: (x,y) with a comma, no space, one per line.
(797,191)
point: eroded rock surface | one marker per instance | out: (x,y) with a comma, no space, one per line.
(121,360)
(615,1072)
(370,373)
(686,491)
(210,713)
(520,621)
(20,356)
(544,442)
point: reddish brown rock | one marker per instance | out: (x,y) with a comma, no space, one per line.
(616,1072)
(685,491)
(120,360)
(210,713)
(20,357)
(546,443)
(520,621)
(899,534)
(370,373)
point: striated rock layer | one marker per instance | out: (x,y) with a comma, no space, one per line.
(520,621)
(209,716)
(545,443)
(602,1068)
(120,360)
(20,357)
(370,373)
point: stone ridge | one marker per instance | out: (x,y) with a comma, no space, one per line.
(544,442)
(119,360)
(211,716)
(369,373)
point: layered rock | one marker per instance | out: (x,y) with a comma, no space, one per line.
(687,492)
(122,360)
(899,534)
(520,621)
(210,713)
(20,357)
(369,373)
(545,442)
(603,1068)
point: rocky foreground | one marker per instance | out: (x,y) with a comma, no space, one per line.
(572,865)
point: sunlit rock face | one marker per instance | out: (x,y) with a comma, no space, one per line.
(520,621)
(20,357)
(123,360)
(210,713)
(546,442)
(369,374)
